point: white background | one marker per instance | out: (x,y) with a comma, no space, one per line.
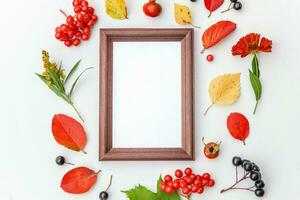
(27,168)
(149,93)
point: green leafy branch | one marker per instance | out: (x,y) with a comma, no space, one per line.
(56,81)
(255,81)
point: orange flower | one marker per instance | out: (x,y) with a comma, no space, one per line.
(251,43)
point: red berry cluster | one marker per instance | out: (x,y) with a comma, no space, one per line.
(188,182)
(77,27)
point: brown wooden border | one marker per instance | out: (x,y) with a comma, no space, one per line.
(107,37)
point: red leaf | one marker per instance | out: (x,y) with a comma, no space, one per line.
(212,5)
(78,180)
(68,132)
(238,126)
(217,32)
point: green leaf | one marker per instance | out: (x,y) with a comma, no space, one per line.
(72,71)
(56,80)
(140,193)
(255,66)
(164,196)
(75,82)
(256,85)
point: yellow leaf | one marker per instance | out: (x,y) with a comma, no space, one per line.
(225,89)
(116,9)
(182,14)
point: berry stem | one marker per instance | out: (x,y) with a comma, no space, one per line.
(236,183)
(227,8)
(63,12)
(194,25)
(69,163)
(185,196)
(208,109)
(236,174)
(202,51)
(110,181)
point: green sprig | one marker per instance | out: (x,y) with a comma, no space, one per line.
(255,81)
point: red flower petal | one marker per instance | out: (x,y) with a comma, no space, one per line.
(265,45)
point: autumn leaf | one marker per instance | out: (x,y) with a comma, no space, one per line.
(212,5)
(68,132)
(238,126)
(79,180)
(217,32)
(182,14)
(224,90)
(116,9)
(140,193)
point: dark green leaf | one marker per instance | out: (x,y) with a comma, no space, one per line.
(56,80)
(164,196)
(256,85)
(72,71)
(255,66)
(140,193)
(75,82)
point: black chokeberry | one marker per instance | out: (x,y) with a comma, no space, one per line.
(255,176)
(233,1)
(237,5)
(60,160)
(103,195)
(259,192)
(259,184)
(248,167)
(236,161)
(193,0)
(244,162)
(255,167)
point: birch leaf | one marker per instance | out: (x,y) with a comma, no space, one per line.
(182,14)
(224,90)
(116,9)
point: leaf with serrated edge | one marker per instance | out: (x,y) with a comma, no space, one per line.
(140,193)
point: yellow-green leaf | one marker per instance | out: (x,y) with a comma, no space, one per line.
(116,9)
(182,14)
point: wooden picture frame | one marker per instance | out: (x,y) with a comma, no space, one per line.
(106,150)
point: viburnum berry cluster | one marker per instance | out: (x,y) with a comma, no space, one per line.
(186,183)
(77,27)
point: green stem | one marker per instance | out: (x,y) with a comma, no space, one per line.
(79,115)
(255,108)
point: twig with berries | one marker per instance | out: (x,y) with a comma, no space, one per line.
(234,4)
(104,194)
(251,171)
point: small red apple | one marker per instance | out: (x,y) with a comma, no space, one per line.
(152,9)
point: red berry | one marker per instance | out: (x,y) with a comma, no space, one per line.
(205,182)
(58,35)
(94,18)
(189,180)
(170,183)
(76,3)
(79,24)
(91,23)
(198,182)
(209,58)
(78,34)
(163,186)
(193,176)
(178,173)
(70,20)
(169,189)
(188,171)
(186,190)
(211,182)
(76,42)
(176,185)
(79,17)
(58,29)
(85,9)
(71,34)
(84,3)
(68,43)
(64,27)
(91,10)
(183,183)
(167,178)
(200,190)
(206,176)
(77,9)
(73,27)
(195,188)
(198,177)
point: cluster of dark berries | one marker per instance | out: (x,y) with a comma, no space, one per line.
(187,181)
(234,4)
(251,171)
(77,27)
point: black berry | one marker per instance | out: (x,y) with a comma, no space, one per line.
(255,176)
(244,162)
(237,5)
(259,192)
(248,167)
(236,161)
(60,160)
(259,184)
(103,195)
(233,1)
(193,0)
(255,167)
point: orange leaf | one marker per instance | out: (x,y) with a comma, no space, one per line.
(217,32)
(68,132)
(212,5)
(78,180)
